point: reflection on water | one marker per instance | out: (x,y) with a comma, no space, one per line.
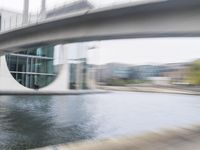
(36,121)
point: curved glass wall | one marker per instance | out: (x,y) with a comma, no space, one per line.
(33,68)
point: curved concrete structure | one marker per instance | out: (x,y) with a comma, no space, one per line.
(172,18)
(11,86)
(7,80)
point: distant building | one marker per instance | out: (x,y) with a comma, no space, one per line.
(143,72)
(177,72)
(113,71)
(165,74)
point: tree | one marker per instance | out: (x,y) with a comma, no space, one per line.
(195,73)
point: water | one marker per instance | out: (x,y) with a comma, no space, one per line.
(35,121)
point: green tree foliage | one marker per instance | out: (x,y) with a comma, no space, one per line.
(195,73)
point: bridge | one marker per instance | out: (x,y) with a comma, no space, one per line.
(172,18)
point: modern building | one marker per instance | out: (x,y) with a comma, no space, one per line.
(113,71)
(49,68)
(143,72)
(178,73)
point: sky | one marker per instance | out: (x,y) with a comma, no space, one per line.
(146,51)
(17,5)
(135,51)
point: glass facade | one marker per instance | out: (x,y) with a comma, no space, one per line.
(33,68)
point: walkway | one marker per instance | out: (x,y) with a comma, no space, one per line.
(177,139)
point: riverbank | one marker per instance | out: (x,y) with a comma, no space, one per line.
(107,89)
(153,89)
(176,139)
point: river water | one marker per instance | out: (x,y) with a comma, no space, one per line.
(35,121)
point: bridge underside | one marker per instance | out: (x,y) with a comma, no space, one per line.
(174,18)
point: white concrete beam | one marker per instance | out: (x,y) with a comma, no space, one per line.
(174,18)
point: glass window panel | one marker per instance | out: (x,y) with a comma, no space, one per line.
(12,63)
(33,72)
(22,64)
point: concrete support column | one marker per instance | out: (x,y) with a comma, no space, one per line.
(2,55)
(91,78)
(79,76)
(64,70)
(0,65)
(43,10)
(61,83)
(25,12)
(66,67)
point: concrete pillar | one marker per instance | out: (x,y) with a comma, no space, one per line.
(79,67)
(43,9)
(25,12)
(79,76)
(1,57)
(61,83)
(0,64)
(91,78)
(63,77)
(65,68)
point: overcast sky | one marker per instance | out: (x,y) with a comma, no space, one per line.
(136,51)
(35,4)
(147,51)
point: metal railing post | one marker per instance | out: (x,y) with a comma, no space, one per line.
(16,22)
(10,22)
(4,25)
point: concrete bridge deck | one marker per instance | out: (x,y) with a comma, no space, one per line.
(171,18)
(176,139)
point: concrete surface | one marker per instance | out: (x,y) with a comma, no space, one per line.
(69,92)
(176,139)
